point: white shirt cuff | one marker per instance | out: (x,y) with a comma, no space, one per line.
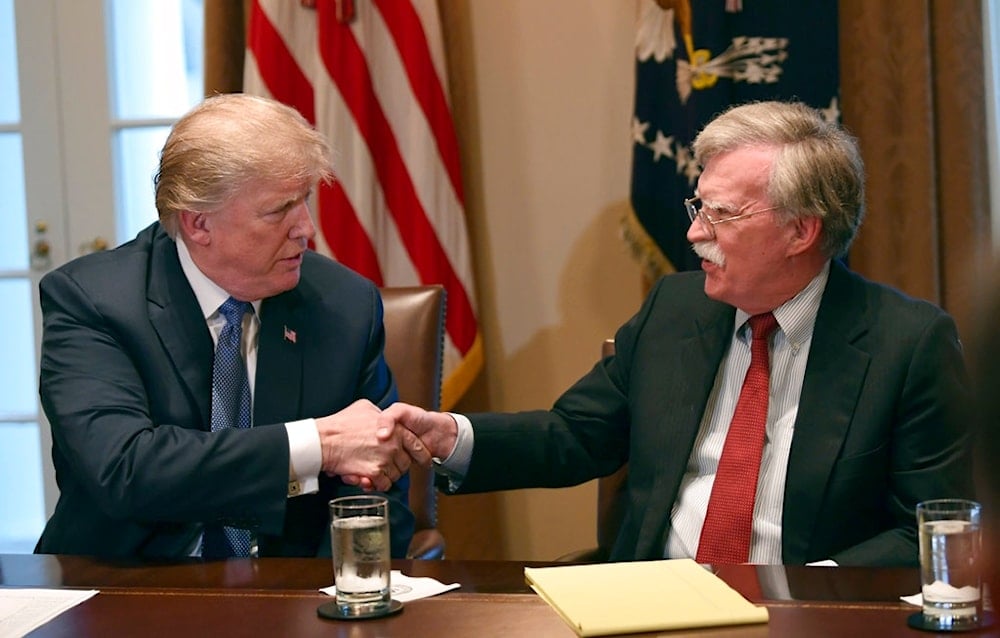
(456,465)
(305,457)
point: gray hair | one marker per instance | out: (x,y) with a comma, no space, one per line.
(817,172)
(228,141)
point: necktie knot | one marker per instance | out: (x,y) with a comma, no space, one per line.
(761,326)
(233,310)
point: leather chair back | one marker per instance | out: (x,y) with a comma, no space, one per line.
(414,350)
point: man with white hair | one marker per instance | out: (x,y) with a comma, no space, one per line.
(773,408)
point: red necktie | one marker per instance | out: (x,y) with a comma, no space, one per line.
(725,537)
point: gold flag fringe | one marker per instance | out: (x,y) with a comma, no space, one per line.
(646,251)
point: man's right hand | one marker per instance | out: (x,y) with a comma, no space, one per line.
(353,450)
(437,430)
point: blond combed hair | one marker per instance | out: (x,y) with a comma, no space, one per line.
(228,141)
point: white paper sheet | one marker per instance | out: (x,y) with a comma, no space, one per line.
(407,588)
(24,609)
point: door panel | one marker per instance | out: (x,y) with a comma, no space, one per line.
(76,175)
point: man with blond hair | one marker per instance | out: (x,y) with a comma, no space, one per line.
(209,382)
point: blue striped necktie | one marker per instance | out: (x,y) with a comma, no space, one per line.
(230,409)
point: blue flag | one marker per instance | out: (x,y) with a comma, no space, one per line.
(694,59)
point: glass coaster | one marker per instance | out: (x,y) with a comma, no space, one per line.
(332,611)
(918,621)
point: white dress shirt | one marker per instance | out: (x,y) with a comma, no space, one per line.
(789,352)
(306,455)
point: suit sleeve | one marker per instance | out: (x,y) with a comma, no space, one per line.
(105,437)
(586,434)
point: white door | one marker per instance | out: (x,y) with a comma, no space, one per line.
(88,91)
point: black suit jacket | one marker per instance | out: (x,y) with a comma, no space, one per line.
(126,385)
(879,425)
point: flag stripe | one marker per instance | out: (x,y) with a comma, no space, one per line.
(416,144)
(428,13)
(376,85)
(361,193)
(408,33)
(344,235)
(282,74)
(346,65)
(349,71)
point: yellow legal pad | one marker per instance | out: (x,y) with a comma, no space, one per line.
(621,598)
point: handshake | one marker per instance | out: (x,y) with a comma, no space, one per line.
(373,448)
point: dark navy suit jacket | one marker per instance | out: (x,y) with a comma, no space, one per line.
(126,385)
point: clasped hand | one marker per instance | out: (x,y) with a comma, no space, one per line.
(372,449)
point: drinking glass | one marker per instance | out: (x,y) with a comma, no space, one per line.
(359,533)
(950,563)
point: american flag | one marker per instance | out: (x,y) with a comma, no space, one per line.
(371,75)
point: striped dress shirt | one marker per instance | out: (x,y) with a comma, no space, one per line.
(789,354)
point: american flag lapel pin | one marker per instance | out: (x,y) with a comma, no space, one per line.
(289,334)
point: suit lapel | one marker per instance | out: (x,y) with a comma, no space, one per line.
(833,380)
(699,351)
(178,322)
(281,346)
(176,317)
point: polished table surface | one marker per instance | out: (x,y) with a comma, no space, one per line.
(279,597)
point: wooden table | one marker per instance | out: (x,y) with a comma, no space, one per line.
(279,597)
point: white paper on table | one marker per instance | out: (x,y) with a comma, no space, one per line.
(25,609)
(913,599)
(407,588)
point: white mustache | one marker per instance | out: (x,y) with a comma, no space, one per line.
(709,251)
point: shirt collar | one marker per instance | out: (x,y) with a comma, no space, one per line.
(208,293)
(797,316)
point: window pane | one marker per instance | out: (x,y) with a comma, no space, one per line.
(137,156)
(20,488)
(10,111)
(156,57)
(13,216)
(18,390)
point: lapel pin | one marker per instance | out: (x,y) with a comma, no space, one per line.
(289,334)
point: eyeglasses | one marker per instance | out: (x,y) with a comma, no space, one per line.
(696,211)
